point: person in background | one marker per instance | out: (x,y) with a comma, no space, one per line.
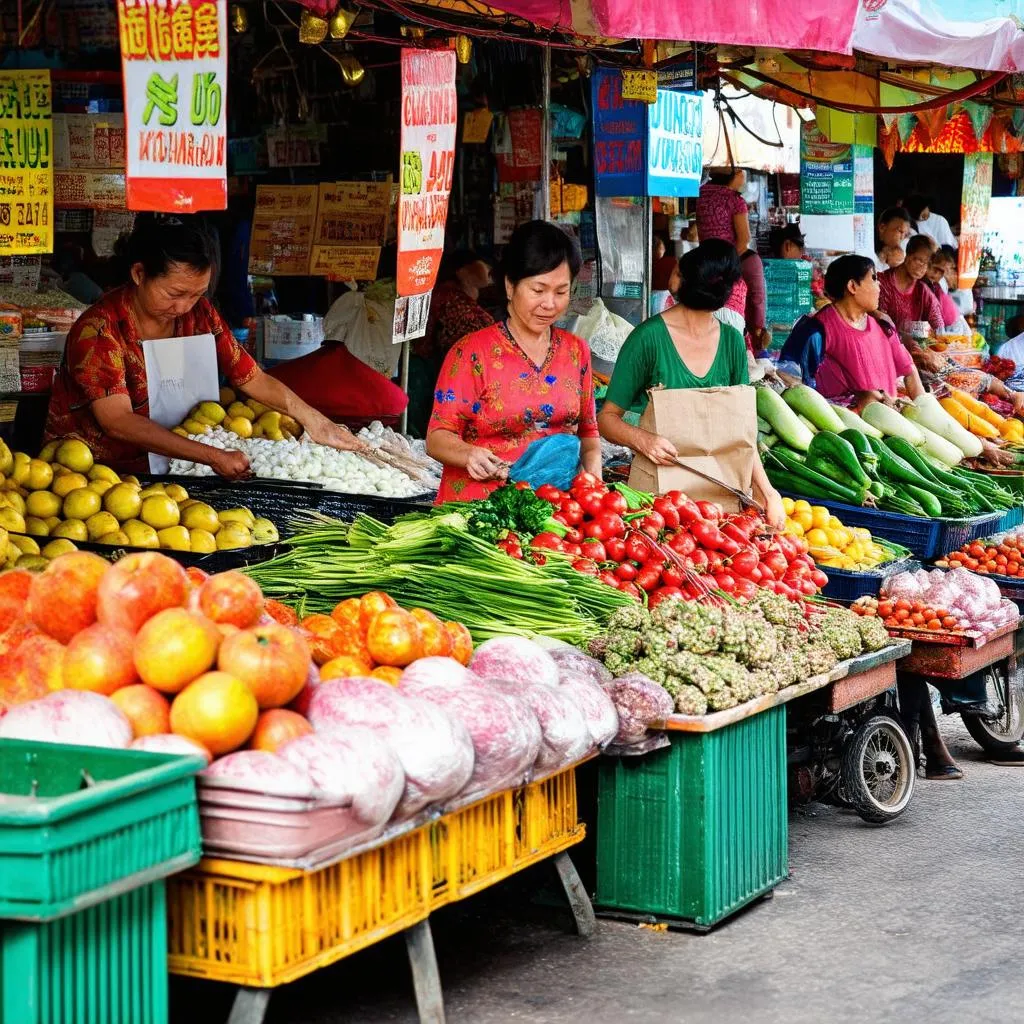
(938,267)
(890,257)
(893,229)
(1014,348)
(686,347)
(688,238)
(662,264)
(514,382)
(455,312)
(722,210)
(101,392)
(929,223)
(905,296)
(787,243)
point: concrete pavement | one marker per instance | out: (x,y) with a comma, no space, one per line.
(918,921)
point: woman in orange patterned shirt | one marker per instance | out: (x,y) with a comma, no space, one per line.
(505,386)
(100,393)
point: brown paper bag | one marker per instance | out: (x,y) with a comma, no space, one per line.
(713,429)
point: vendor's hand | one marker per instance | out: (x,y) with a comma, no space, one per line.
(482,465)
(774,513)
(933,362)
(660,450)
(1016,399)
(995,455)
(334,435)
(229,463)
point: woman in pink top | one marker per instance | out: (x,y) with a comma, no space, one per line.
(954,320)
(863,362)
(904,294)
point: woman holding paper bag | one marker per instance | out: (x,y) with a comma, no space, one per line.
(101,394)
(685,347)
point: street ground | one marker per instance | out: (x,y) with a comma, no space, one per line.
(918,921)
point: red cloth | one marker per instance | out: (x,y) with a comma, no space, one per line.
(756,309)
(341,386)
(103,356)
(904,307)
(716,207)
(868,360)
(492,396)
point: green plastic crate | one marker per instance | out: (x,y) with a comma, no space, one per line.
(693,832)
(73,844)
(104,965)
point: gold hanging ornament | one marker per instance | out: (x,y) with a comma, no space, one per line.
(352,71)
(312,29)
(341,21)
(463,48)
(413,32)
(239,19)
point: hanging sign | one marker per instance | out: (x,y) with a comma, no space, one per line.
(977,193)
(640,84)
(351,226)
(26,163)
(675,144)
(282,229)
(620,128)
(174,60)
(826,174)
(429,117)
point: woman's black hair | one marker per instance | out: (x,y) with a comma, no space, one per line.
(919,243)
(950,251)
(709,272)
(916,205)
(722,175)
(844,270)
(158,240)
(894,213)
(538,247)
(778,237)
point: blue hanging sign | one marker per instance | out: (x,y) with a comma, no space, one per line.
(620,129)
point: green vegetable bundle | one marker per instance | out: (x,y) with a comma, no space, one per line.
(434,562)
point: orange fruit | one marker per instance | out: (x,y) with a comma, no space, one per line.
(64,596)
(217,711)
(395,638)
(174,647)
(346,665)
(230,597)
(347,613)
(276,727)
(462,642)
(372,604)
(99,658)
(437,641)
(323,635)
(147,709)
(387,673)
(14,588)
(281,613)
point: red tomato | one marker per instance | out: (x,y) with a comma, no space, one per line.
(785,544)
(819,578)
(573,536)
(587,480)
(632,589)
(585,566)
(682,543)
(612,524)
(591,504)
(665,594)
(626,572)
(593,548)
(609,578)
(707,535)
(522,485)
(672,576)
(637,548)
(615,502)
(688,511)
(649,578)
(573,512)
(744,563)
(615,548)
(594,530)
(548,492)
(668,512)
(548,541)
(649,526)
(726,581)
(572,549)
(709,511)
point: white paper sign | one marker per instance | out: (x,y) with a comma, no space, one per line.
(179,373)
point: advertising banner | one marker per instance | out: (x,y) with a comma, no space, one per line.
(174,60)
(620,128)
(675,144)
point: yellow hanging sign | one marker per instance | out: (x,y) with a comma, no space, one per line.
(640,84)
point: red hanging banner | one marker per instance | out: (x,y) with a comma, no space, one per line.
(174,60)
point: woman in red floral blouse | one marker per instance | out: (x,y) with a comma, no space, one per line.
(100,393)
(510,384)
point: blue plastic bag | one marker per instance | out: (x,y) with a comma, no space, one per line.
(554,460)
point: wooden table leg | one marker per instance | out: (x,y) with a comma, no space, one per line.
(426,981)
(250,1005)
(579,902)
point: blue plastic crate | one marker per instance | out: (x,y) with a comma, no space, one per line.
(924,538)
(844,585)
(1009,520)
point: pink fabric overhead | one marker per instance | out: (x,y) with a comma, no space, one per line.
(770,23)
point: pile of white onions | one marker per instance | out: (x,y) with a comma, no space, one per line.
(307,461)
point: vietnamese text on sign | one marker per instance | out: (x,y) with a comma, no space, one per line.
(675,144)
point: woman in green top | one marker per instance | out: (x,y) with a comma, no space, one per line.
(684,347)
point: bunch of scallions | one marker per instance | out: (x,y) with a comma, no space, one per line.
(434,562)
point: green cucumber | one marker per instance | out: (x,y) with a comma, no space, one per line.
(837,450)
(931,505)
(799,471)
(866,456)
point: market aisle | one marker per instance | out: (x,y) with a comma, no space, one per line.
(918,921)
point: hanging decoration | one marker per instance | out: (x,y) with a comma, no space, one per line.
(905,125)
(980,115)
(341,21)
(463,48)
(933,120)
(312,29)
(888,142)
(239,19)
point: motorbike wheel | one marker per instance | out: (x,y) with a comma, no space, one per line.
(878,770)
(1004,689)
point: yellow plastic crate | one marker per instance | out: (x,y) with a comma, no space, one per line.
(255,925)
(262,926)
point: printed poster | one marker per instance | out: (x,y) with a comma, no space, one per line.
(620,129)
(429,118)
(826,174)
(26,163)
(282,229)
(675,144)
(174,60)
(89,190)
(351,226)
(93,141)
(973,215)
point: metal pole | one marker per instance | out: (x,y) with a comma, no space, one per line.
(545,183)
(645,292)
(403,423)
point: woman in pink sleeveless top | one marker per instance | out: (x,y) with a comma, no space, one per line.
(863,361)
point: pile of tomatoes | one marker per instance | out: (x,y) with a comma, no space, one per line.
(657,548)
(906,614)
(988,558)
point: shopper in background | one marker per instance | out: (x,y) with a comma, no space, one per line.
(889,257)
(787,243)
(455,312)
(510,384)
(938,267)
(929,223)
(722,210)
(905,296)
(893,229)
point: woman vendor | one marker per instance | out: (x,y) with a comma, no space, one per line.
(100,393)
(685,347)
(519,380)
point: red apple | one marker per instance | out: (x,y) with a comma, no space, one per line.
(137,587)
(231,598)
(63,597)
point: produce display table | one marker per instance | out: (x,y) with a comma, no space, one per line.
(694,832)
(956,655)
(260,926)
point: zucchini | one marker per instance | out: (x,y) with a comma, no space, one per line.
(838,450)
(931,505)
(807,402)
(866,456)
(892,424)
(783,420)
(854,422)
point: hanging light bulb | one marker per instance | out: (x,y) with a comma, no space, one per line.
(341,21)
(463,48)
(239,19)
(352,71)
(312,29)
